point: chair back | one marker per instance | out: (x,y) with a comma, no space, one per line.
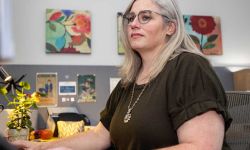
(238,134)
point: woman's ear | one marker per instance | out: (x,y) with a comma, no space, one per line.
(171,28)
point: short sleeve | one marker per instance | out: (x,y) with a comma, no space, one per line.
(113,100)
(195,89)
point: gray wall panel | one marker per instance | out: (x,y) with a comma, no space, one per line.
(103,73)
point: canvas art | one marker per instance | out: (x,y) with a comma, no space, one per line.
(46,85)
(205,32)
(119,26)
(68,31)
(86,88)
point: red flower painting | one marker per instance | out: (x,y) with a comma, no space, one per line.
(202,24)
(205,32)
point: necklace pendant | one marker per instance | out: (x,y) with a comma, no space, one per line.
(127,117)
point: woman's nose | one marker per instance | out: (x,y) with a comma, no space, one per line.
(135,23)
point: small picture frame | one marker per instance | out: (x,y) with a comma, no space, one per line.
(86,88)
(67,88)
(46,85)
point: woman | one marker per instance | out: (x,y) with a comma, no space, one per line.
(168,98)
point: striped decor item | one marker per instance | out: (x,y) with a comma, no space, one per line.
(68,128)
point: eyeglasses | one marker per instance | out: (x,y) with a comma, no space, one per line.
(143,16)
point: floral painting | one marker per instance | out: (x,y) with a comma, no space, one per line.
(86,88)
(68,31)
(119,25)
(205,32)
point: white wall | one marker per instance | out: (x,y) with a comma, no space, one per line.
(29,30)
(6,40)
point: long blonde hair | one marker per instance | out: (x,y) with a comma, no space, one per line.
(179,41)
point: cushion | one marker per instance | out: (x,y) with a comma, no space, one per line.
(69,116)
(68,128)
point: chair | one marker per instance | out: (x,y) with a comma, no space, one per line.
(238,135)
(74,117)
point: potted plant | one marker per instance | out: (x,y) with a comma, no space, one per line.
(19,124)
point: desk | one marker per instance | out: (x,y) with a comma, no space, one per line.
(86,128)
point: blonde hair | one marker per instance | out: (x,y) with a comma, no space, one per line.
(179,41)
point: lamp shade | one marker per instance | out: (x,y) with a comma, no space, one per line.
(4,74)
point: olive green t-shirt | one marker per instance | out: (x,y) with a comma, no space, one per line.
(185,88)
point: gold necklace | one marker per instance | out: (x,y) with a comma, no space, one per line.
(128,115)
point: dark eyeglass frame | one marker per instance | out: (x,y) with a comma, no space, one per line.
(128,20)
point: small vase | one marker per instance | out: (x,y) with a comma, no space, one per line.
(14,134)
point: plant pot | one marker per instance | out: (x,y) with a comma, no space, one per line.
(14,134)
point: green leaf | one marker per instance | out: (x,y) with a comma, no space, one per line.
(212,38)
(25,85)
(50,48)
(208,46)
(195,39)
(52,26)
(49,10)
(13,103)
(61,19)
(19,94)
(3,91)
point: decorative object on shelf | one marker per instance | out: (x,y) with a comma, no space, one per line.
(68,128)
(68,31)
(20,123)
(44,134)
(46,85)
(119,28)
(86,88)
(205,32)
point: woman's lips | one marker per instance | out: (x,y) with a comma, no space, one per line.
(136,35)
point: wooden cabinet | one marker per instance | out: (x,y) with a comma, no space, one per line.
(242,80)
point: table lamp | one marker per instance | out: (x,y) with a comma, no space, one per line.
(4,75)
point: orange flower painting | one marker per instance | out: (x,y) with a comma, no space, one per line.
(68,31)
(205,32)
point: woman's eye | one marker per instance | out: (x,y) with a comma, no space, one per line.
(131,19)
(146,18)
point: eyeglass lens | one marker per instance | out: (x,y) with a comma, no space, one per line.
(143,17)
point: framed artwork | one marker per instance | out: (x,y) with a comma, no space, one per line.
(68,31)
(86,88)
(119,26)
(46,84)
(67,88)
(205,32)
